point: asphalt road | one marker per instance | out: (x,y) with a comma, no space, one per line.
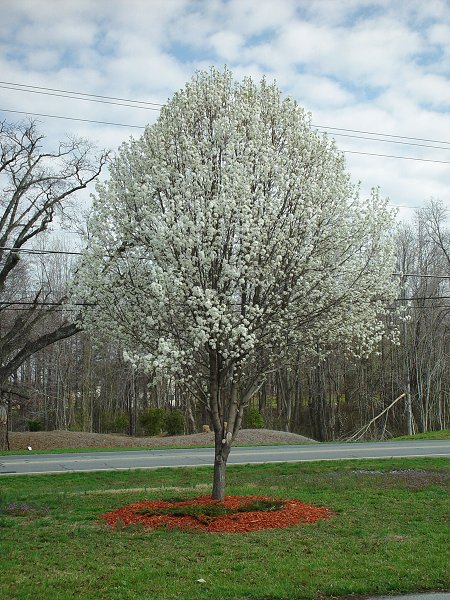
(152,459)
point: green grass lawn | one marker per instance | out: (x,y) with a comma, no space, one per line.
(443,434)
(388,535)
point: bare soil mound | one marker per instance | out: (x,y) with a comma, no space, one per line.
(50,440)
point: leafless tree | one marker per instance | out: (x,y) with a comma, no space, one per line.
(36,186)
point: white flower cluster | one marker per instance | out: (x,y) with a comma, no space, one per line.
(231,226)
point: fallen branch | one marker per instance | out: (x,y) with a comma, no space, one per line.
(358,435)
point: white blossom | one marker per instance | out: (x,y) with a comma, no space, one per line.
(232,227)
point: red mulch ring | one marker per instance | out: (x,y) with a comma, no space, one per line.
(291,513)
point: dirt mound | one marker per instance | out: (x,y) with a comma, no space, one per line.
(49,440)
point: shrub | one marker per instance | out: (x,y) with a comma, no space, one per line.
(116,423)
(34,426)
(174,422)
(152,421)
(254,419)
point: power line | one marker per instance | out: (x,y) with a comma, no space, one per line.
(44,251)
(430,307)
(423,298)
(402,137)
(446,162)
(30,303)
(68,307)
(32,251)
(363,137)
(126,103)
(21,112)
(37,87)
(145,102)
(64,308)
(6,87)
(420,275)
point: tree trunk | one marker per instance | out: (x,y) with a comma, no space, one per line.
(409,414)
(4,440)
(218,491)
(222,450)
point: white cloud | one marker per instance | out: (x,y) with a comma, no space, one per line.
(254,18)
(320,92)
(371,65)
(227,44)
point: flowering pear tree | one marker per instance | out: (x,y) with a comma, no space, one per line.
(227,235)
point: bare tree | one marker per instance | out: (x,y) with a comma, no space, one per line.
(35,188)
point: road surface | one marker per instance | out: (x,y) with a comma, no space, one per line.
(190,457)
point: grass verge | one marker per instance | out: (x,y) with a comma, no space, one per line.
(443,434)
(387,537)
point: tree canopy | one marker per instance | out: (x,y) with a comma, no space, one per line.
(229,234)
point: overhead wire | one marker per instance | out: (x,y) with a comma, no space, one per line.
(445,162)
(80,253)
(362,137)
(30,303)
(101,97)
(6,87)
(10,303)
(403,137)
(37,87)
(39,251)
(35,114)
(129,103)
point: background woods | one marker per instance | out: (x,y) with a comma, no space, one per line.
(78,385)
(36,186)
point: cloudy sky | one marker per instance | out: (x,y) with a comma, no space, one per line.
(361,67)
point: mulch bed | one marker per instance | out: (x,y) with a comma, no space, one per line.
(291,513)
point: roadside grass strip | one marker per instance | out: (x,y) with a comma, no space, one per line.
(387,535)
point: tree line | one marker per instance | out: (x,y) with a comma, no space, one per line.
(81,385)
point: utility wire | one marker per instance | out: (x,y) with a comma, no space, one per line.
(66,252)
(69,307)
(446,162)
(37,87)
(101,97)
(402,137)
(21,112)
(30,303)
(33,251)
(124,104)
(334,134)
(423,298)
(417,275)
(6,87)
(363,137)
